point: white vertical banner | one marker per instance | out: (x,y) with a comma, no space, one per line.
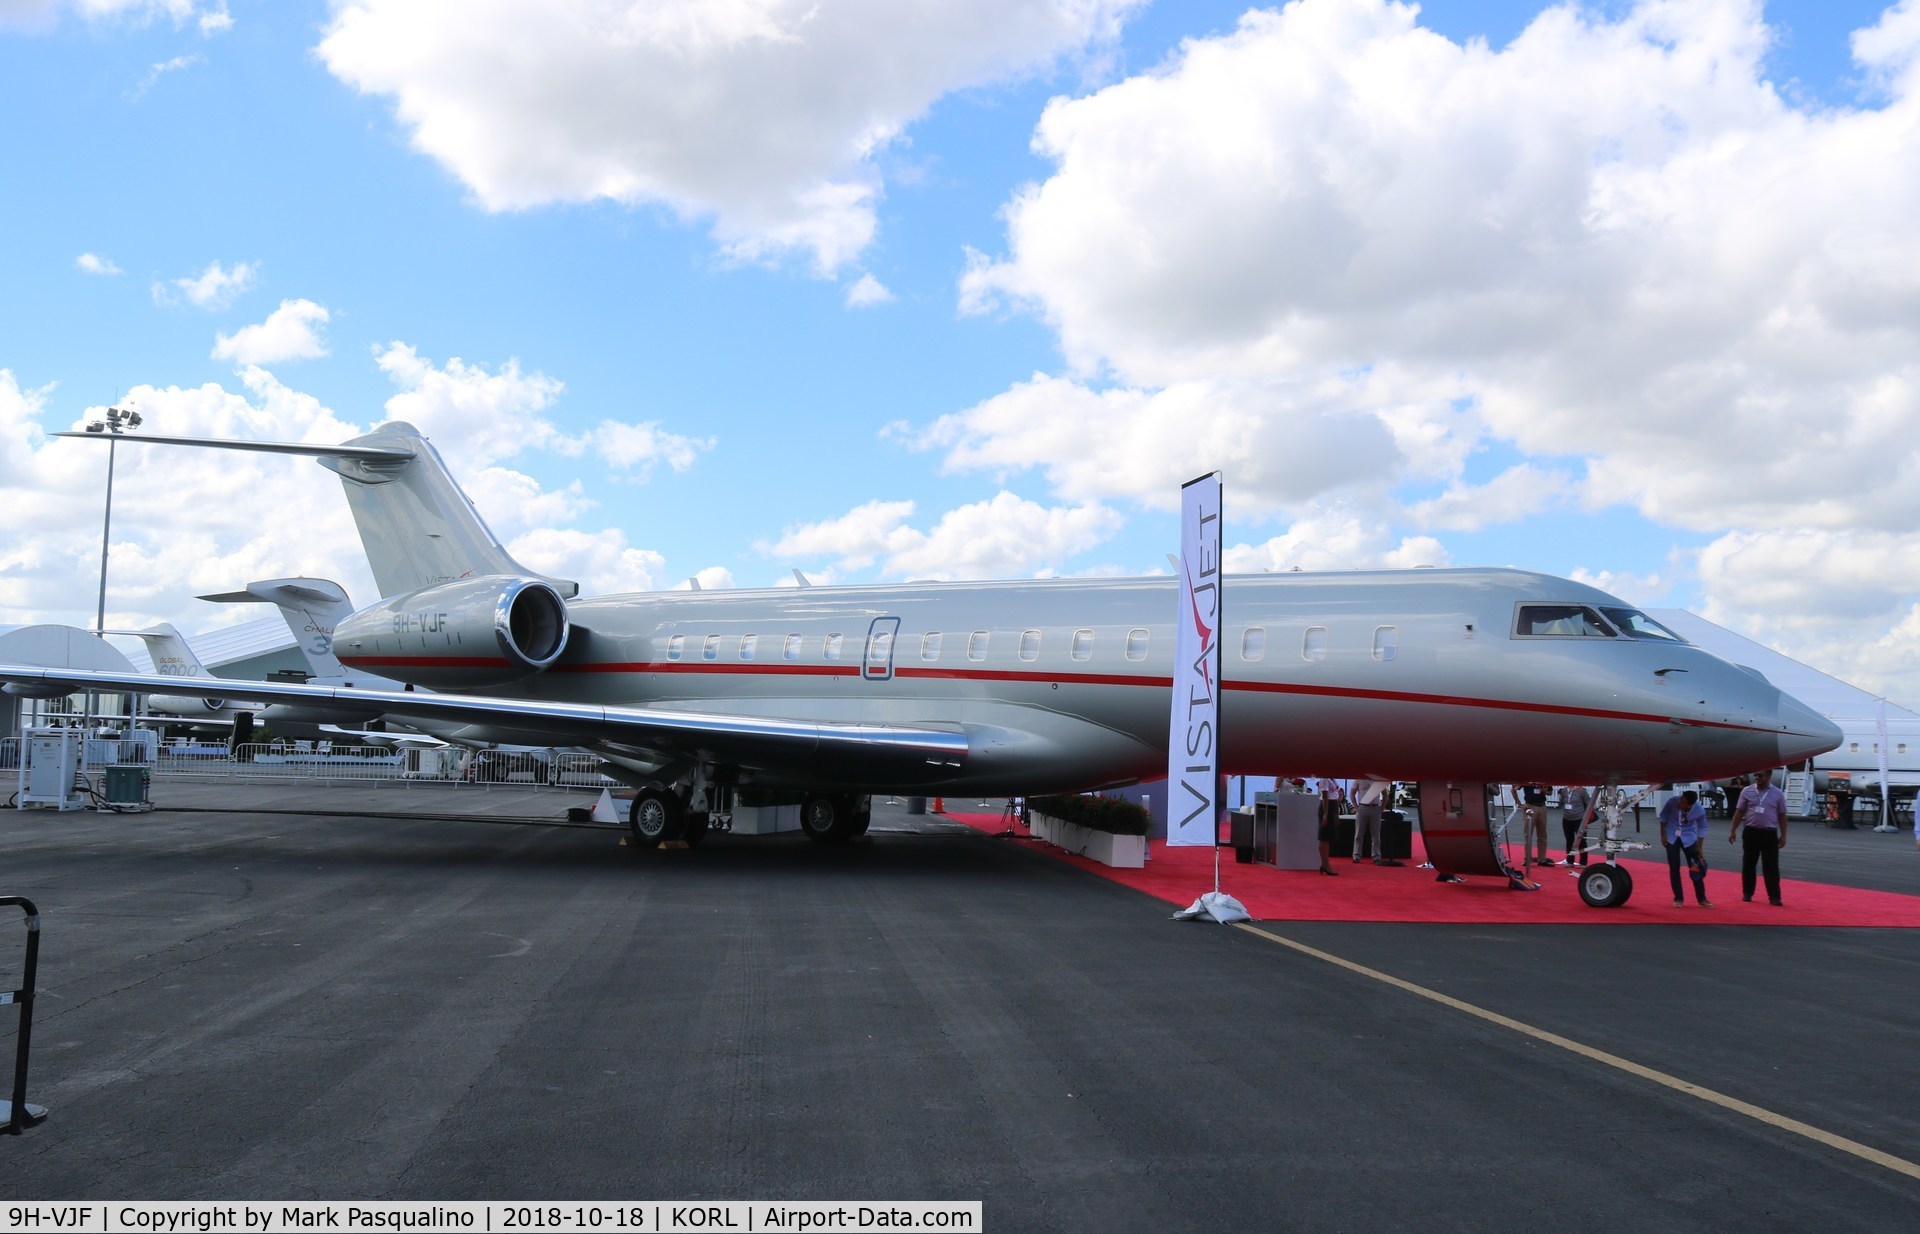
(1880,746)
(1194,802)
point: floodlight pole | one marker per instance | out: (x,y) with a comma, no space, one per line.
(117,422)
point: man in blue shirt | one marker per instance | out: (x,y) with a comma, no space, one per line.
(1683,824)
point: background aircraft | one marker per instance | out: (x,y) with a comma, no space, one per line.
(173,658)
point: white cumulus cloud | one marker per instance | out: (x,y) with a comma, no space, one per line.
(1336,538)
(764,116)
(1004,536)
(637,448)
(867,291)
(214,288)
(94,263)
(210,16)
(602,562)
(1611,242)
(290,332)
(189,521)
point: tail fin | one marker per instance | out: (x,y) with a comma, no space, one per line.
(417,526)
(168,650)
(311,608)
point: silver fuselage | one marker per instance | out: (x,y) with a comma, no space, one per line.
(1064,684)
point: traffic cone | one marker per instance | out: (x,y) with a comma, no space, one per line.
(939,806)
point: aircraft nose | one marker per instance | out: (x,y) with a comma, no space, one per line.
(1804,732)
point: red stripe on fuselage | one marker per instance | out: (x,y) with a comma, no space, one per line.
(1119,679)
(425,661)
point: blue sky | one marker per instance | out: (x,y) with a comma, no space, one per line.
(725,293)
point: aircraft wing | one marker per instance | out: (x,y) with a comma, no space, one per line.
(887,752)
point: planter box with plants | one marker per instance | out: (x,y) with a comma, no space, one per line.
(1108,830)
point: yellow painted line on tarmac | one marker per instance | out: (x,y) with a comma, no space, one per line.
(1898,1165)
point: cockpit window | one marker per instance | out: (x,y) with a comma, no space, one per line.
(1636,624)
(1559,621)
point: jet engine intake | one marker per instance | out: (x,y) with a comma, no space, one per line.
(468,633)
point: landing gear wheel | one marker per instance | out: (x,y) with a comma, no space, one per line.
(1605,885)
(696,829)
(655,816)
(828,819)
(1623,885)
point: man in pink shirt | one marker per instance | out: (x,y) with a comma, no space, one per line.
(1763,808)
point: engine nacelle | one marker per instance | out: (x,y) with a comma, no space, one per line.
(470,633)
(185,705)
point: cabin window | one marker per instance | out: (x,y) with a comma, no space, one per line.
(1559,621)
(1853,747)
(1386,642)
(1903,747)
(1313,643)
(1082,646)
(930,645)
(1253,644)
(1136,644)
(977,645)
(676,646)
(880,647)
(1029,644)
(832,650)
(792,649)
(710,647)
(1636,624)
(749,646)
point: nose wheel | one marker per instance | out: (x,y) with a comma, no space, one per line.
(1606,885)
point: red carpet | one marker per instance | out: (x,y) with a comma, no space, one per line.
(1366,892)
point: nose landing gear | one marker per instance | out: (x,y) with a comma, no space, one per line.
(1608,884)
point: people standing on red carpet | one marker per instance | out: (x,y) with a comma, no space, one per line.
(1533,799)
(1368,798)
(1763,808)
(1329,819)
(1683,826)
(1574,802)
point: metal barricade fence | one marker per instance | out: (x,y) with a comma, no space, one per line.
(322,760)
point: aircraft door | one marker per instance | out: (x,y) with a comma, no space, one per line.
(877,663)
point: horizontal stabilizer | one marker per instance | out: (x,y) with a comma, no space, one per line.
(418,528)
(363,454)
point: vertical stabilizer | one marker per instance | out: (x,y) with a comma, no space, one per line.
(311,608)
(418,528)
(168,650)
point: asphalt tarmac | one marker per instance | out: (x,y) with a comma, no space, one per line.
(242,1000)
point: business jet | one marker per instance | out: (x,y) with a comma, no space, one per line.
(825,696)
(173,658)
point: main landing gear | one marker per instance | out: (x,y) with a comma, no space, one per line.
(828,818)
(661,814)
(686,810)
(657,815)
